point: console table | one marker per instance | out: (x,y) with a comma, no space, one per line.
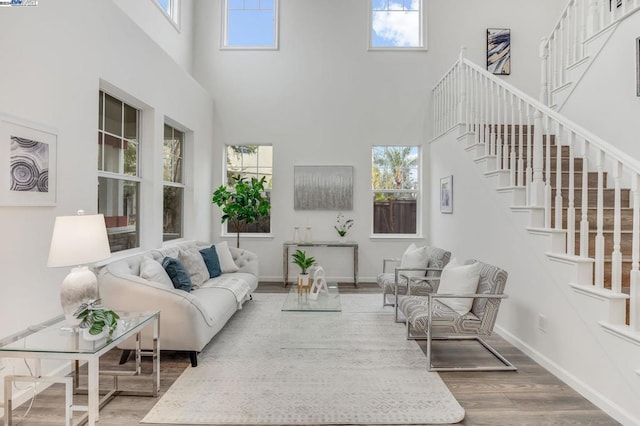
(53,339)
(330,244)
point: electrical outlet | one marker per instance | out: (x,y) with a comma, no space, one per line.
(542,323)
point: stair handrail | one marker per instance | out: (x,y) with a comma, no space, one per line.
(611,150)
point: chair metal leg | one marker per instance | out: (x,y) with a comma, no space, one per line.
(507,365)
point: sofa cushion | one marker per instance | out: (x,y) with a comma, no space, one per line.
(211,260)
(177,272)
(224,256)
(153,271)
(195,266)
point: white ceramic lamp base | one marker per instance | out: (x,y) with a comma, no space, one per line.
(79,286)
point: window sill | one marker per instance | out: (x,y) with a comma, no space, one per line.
(250,235)
(257,48)
(395,237)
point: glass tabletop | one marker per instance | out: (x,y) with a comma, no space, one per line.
(326,302)
(56,336)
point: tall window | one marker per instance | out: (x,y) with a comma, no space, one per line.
(251,161)
(395,183)
(170,7)
(396,24)
(173,186)
(250,24)
(118,174)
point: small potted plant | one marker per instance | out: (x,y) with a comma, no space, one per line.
(342,226)
(96,320)
(301,259)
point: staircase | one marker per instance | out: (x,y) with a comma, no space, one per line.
(577,189)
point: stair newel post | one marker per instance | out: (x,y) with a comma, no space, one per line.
(599,242)
(634,311)
(536,191)
(558,199)
(477,80)
(584,18)
(571,209)
(529,171)
(506,134)
(512,136)
(463,116)
(616,255)
(544,71)
(485,116)
(492,119)
(497,126)
(584,208)
(561,54)
(520,145)
(547,174)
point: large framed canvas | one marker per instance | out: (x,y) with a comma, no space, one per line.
(446,194)
(499,51)
(28,163)
(323,188)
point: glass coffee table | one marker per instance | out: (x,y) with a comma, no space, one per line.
(54,339)
(311,324)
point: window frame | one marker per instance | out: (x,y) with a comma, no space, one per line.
(224,25)
(173,14)
(224,226)
(121,176)
(422,35)
(418,191)
(181,184)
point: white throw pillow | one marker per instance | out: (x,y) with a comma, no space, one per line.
(153,271)
(459,279)
(195,266)
(224,256)
(414,257)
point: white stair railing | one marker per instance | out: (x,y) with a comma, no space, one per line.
(565,46)
(519,136)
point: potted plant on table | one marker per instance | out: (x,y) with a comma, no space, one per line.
(97,321)
(301,259)
(244,203)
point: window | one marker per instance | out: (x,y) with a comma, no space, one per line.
(118,175)
(173,186)
(396,24)
(170,7)
(250,24)
(395,183)
(251,161)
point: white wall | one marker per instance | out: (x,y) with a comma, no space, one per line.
(54,58)
(323,99)
(175,38)
(605,100)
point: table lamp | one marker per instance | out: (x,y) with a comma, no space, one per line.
(76,241)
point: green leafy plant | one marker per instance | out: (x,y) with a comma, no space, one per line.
(343,225)
(300,258)
(95,317)
(245,203)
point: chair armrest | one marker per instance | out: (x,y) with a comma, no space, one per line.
(421,282)
(386,260)
(468,295)
(399,271)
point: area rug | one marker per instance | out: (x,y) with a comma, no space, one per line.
(371,375)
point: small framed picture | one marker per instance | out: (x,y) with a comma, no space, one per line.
(638,66)
(499,51)
(27,164)
(446,194)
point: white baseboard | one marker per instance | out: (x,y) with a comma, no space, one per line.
(598,399)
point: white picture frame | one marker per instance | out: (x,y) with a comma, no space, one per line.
(28,163)
(446,194)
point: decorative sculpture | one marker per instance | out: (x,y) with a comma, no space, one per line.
(319,283)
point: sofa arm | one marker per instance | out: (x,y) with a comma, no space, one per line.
(246,260)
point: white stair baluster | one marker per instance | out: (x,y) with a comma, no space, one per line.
(616,255)
(634,311)
(558,198)
(571,209)
(599,241)
(584,210)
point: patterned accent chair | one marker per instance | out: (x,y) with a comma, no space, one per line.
(394,283)
(427,315)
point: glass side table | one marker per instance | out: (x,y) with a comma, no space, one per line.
(53,339)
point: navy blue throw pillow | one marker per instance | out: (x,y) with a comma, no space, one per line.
(177,272)
(210,257)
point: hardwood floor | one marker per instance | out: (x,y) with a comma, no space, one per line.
(530,396)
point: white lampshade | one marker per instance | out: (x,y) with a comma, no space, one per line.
(78,240)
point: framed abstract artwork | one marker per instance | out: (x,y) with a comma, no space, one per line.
(446,194)
(28,164)
(499,51)
(323,188)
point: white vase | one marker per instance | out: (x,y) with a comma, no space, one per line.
(308,236)
(342,238)
(296,234)
(92,337)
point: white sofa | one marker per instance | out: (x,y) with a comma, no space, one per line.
(188,320)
